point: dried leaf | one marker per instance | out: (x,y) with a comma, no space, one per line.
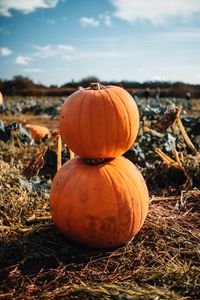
(167,120)
(34,166)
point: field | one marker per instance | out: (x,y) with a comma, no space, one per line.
(161,262)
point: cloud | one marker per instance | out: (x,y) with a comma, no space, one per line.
(43,52)
(155,11)
(23,60)
(24,6)
(60,50)
(106,19)
(102,19)
(4,51)
(33,70)
(89,22)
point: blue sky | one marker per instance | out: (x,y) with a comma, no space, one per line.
(56,41)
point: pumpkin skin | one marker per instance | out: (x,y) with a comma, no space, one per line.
(38,132)
(99,123)
(1,98)
(101,206)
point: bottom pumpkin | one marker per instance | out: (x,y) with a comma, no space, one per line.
(101,206)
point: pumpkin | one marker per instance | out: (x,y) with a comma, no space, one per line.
(100,206)
(38,132)
(1,98)
(99,121)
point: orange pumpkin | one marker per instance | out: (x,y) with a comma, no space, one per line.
(99,121)
(1,98)
(38,132)
(100,206)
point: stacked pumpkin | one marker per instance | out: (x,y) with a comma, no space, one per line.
(99,198)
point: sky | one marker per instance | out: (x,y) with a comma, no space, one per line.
(58,41)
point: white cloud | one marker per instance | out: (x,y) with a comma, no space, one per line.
(23,60)
(106,19)
(89,22)
(4,51)
(155,11)
(44,52)
(24,6)
(47,51)
(32,70)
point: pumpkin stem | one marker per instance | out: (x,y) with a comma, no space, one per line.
(97,161)
(95,86)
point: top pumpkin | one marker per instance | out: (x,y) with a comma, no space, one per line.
(99,121)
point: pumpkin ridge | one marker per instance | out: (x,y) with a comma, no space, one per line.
(63,170)
(115,193)
(140,207)
(130,137)
(90,128)
(130,133)
(85,190)
(59,199)
(105,121)
(117,124)
(84,96)
(129,193)
(142,218)
(67,220)
(54,210)
(141,210)
(100,95)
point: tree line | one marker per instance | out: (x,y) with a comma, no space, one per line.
(24,86)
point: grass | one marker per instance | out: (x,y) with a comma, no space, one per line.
(37,262)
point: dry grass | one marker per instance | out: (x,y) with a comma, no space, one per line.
(37,262)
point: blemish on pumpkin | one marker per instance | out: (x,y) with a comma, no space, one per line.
(91,220)
(108,224)
(91,228)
